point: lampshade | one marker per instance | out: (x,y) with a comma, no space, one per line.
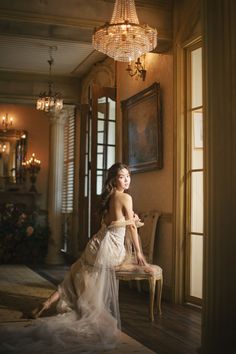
(124,39)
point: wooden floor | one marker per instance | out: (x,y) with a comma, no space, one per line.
(177,331)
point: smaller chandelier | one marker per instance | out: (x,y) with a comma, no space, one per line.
(124,39)
(49,101)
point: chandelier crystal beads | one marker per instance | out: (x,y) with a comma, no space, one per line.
(124,39)
(49,101)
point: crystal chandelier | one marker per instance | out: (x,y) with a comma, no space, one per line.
(49,101)
(124,39)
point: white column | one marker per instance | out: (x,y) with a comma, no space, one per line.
(57,122)
(219,305)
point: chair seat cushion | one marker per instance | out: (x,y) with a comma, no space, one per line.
(136,270)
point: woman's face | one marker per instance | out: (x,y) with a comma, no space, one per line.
(123,180)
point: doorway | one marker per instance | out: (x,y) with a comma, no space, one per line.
(97,154)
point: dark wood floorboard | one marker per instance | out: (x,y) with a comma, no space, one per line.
(177,331)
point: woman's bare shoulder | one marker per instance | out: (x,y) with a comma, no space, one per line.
(127,196)
(123,198)
(126,199)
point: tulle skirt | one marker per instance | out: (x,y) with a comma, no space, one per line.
(88,319)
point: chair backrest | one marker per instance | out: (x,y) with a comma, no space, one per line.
(147,233)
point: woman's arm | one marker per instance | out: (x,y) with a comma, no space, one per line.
(129,213)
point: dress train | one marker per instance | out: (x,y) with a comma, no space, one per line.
(89,318)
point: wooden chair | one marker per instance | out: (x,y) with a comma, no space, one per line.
(147,237)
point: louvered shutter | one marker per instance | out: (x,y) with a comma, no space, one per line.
(68,171)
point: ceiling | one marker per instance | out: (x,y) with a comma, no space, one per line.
(29,28)
(32,55)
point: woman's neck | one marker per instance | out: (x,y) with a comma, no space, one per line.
(119,190)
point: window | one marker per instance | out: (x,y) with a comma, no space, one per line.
(194,174)
(106,147)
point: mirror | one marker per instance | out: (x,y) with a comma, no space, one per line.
(13,145)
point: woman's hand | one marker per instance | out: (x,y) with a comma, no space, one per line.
(140,259)
(136,217)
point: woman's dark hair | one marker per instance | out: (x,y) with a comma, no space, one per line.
(110,185)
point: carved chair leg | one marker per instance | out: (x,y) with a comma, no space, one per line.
(159,294)
(152,285)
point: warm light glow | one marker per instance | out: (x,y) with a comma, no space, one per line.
(33,167)
(7,122)
(124,39)
(137,68)
(49,101)
(3,147)
(33,164)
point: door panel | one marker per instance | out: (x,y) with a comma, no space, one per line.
(98,126)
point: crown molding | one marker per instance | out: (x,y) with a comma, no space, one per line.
(30,17)
(52,27)
(158,4)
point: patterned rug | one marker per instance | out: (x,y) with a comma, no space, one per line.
(21,290)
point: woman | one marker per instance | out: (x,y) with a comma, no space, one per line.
(88,295)
(115,207)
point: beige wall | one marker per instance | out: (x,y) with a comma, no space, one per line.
(154,189)
(37,125)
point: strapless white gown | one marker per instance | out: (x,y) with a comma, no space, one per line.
(88,319)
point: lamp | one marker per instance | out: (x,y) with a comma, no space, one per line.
(137,68)
(6,122)
(124,39)
(49,101)
(33,167)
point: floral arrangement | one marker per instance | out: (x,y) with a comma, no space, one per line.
(23,238)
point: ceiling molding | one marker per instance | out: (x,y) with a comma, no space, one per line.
(45,31)
(158,4)
(20,16)
(30,33)
(93,58)
(21,28)
(28,77)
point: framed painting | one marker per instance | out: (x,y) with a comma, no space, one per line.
(142,130)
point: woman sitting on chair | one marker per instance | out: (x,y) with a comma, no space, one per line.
(88,296)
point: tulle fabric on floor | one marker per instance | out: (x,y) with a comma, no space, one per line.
(89,318)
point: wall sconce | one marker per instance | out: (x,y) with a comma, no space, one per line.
(6,122)
(3,147)
(33,167)
(137,68)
